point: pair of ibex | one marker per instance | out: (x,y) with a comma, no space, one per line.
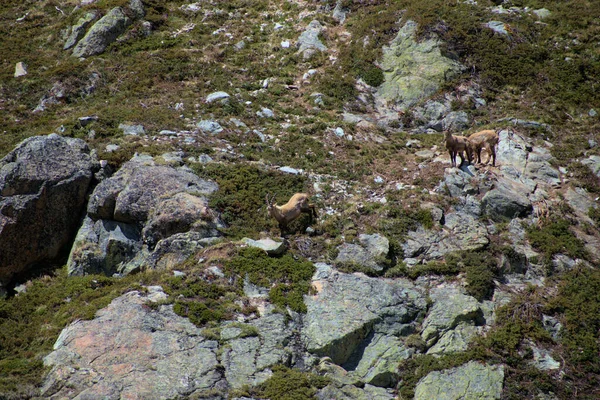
(456,145)
(472,145)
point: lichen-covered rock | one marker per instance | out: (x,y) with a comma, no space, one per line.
(470,381)
(370,253)
(351,392)
(455,340)
(413,70)
(148,203)
(348,307)
(378,364)
(43,187)
(309,42)
(102,33)
(250,350)
(78,30)
(450,307)
(132,351)
(461,231)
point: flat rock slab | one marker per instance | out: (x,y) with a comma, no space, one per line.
(130,351)
(470,381)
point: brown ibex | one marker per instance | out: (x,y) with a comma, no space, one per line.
(456,145)
(487,139)
(290,211)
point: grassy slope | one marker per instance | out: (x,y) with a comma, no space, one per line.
(548,72)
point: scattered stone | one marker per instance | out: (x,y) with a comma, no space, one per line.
(209,126)
(20,69)
(340,12)
(498,27)
(290,170)
(265,113)
(217,96)
(132,129)
(272,247)
(542,13)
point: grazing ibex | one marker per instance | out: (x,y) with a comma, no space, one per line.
(288,212)
(456,145)
(487,139)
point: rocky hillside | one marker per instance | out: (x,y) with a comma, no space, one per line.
(140,142)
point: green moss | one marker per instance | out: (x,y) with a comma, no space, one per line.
(288,279)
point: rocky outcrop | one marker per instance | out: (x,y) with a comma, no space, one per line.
(309,42)
(461,231)
(450,308)
(371,252)
(348,312)
(470,381)
(43,187)
(131,351)
(507,200)
(406,80)
(130,214)
(106,30)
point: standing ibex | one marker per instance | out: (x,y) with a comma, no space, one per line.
(456,145)
(487,139)
(288,212)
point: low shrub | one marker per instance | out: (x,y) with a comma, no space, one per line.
(288,279)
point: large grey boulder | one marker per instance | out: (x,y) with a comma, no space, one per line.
(470,381)
(413,69)
(508,200)
(347,308)
(134,211)
(43,187)
(132,351)
(370,253)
